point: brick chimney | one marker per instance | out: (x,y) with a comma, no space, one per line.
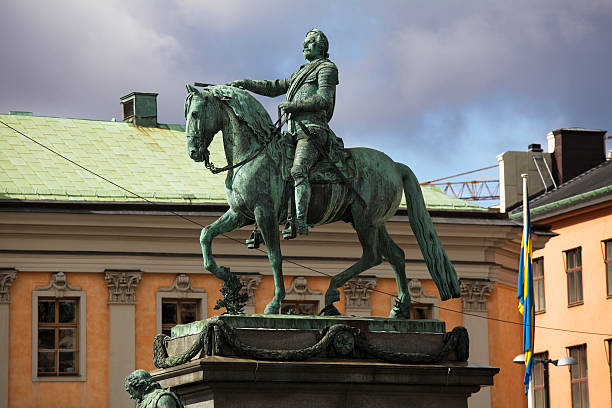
(575,150)
(140,108)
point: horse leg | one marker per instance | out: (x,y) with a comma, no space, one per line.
(395,255)
(268,225)
(368,237)
(229,221)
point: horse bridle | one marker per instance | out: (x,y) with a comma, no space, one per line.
(209,164)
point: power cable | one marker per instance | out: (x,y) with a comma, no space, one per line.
(265,252)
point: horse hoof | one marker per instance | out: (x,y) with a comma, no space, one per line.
(329,310)
(272,308)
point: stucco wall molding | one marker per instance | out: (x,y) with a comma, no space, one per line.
(474,294)
(122,286)
(7,278)
(357,292)
(249,285)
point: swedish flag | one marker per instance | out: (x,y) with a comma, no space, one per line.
(525,295)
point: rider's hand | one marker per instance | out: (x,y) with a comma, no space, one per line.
(237,84)
(287,107)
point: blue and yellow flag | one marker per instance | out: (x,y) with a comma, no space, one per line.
(525,296)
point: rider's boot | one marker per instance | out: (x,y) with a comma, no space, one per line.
(302,198)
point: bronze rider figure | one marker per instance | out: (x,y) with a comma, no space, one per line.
(311,96)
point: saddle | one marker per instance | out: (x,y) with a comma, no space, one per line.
(334,168)
(323,172)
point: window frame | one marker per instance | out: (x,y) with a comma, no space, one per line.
(81,335)
(607,264)
(582,348)
(609,350)
(537,368)
(536,280)
(574,271)
(180,301)
(56,325)
(175,292)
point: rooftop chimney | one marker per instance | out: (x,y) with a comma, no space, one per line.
(140,108)
(575,151)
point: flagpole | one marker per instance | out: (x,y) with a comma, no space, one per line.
(525,198)
(524,176)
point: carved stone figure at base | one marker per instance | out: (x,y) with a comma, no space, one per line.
(148,393)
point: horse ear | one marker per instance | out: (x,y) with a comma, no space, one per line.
(190,88)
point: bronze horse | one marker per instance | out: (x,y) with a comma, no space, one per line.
(256,193)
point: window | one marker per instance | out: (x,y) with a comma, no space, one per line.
(419,311)
(580,386)
(609,341)
(178,311)
(58,328)
(539,393)
(299,307)
(538,285)
(573,268)
(608,261)
(179,304)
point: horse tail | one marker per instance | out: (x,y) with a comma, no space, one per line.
(440,267)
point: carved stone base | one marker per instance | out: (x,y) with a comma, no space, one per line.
(226,382)
(299,361)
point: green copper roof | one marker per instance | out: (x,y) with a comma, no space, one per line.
(151,162)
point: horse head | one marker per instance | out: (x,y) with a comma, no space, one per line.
(203,121)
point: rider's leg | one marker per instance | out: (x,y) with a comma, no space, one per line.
(306,155)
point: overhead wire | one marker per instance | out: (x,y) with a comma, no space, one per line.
(265,252)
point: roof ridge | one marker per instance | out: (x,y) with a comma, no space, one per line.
(571,181)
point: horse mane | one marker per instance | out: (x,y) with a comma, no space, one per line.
(247,109)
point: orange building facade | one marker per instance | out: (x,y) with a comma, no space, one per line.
(573,272)
(576,294)
(89,276)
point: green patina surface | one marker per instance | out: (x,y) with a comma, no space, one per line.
(565,202)
(373,324)
(151,162)
(116,150)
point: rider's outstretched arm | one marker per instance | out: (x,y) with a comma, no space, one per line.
(265,88)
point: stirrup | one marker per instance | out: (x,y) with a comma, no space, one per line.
(255,239)
(289,231)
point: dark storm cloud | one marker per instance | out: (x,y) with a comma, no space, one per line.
(443,86)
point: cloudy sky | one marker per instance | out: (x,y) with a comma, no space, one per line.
(443,86)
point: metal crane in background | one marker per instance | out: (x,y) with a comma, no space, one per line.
(474,190)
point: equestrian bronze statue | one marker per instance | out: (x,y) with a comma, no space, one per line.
(267,169)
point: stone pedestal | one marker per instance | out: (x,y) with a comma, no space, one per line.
(334,376)
(227,382)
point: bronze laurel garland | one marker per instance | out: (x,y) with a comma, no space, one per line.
(339,338)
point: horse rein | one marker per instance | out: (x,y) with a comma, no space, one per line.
(278,126)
